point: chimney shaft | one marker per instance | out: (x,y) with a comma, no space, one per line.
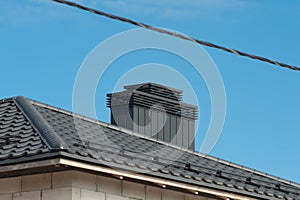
(154,111)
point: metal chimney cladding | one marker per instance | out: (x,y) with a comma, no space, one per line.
(156,111)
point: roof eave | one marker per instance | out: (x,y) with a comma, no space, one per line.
(60,162)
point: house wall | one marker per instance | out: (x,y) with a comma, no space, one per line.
(74,185)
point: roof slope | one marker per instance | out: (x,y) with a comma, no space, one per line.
(31,130)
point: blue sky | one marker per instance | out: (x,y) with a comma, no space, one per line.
(43,45)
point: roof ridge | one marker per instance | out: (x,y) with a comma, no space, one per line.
(130,132)
(47,133)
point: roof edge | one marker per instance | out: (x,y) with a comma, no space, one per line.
(47,133)
(71,164)
(164,183)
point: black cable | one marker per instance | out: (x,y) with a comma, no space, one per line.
(178,35)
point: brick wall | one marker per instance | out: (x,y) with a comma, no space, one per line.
(74,185)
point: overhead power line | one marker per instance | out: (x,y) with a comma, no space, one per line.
(178,35)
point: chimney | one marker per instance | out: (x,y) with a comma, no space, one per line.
(155,111)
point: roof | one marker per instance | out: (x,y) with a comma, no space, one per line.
(31,131)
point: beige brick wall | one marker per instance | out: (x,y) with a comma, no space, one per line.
(75,185)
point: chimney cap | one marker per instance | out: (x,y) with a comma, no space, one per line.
(148,94)
(152,85)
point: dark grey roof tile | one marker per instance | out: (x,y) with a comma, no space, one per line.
(198,177)
(24,144)
(210,179)
(229,184)
(239,186)
(250,188)
(22,149)
(9,146)
(279,195)
(260,190)
(19,154)
(4,156)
